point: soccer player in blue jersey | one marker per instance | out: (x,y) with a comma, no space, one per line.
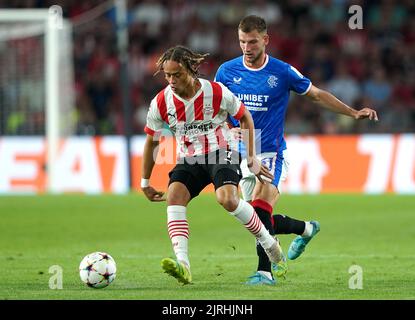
(264,84)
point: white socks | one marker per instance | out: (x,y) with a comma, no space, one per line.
(178,229)
(246,214)
(266,274)
(308,230)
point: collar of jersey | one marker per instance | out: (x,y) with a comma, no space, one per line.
(260,68)
(197,94)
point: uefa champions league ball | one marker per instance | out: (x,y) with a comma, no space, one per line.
(97,270)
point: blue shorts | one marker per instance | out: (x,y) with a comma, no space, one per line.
(276,163)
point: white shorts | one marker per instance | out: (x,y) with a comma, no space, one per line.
(276,163)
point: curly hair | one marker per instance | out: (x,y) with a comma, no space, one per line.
(184,56)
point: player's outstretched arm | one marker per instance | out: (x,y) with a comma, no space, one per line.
(147,167)
(329,101)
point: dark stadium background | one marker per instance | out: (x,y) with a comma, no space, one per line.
(372,67)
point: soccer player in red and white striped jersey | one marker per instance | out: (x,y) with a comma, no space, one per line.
(199,122)
(196,111)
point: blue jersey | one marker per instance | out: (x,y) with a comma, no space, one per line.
(265,92)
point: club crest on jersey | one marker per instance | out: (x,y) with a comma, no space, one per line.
(207,109)
(237,80)
(272,81)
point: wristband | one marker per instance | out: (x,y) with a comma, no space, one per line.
(145,183)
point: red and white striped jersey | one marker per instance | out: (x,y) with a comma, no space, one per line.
(199,124)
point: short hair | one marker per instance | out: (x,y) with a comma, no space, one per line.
(187,58)
(251,23)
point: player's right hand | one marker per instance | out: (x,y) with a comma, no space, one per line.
(153,195)
(260,171)
(366,113)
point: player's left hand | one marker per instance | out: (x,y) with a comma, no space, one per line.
(366,113)
(260,171)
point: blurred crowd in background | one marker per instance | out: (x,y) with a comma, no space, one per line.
(373,66)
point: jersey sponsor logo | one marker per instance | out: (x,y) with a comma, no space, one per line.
(254,102)
(257,108)
(237,80)
(252,97)
(194,129)
(272,81)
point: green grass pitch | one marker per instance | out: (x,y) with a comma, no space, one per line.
(36,232)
